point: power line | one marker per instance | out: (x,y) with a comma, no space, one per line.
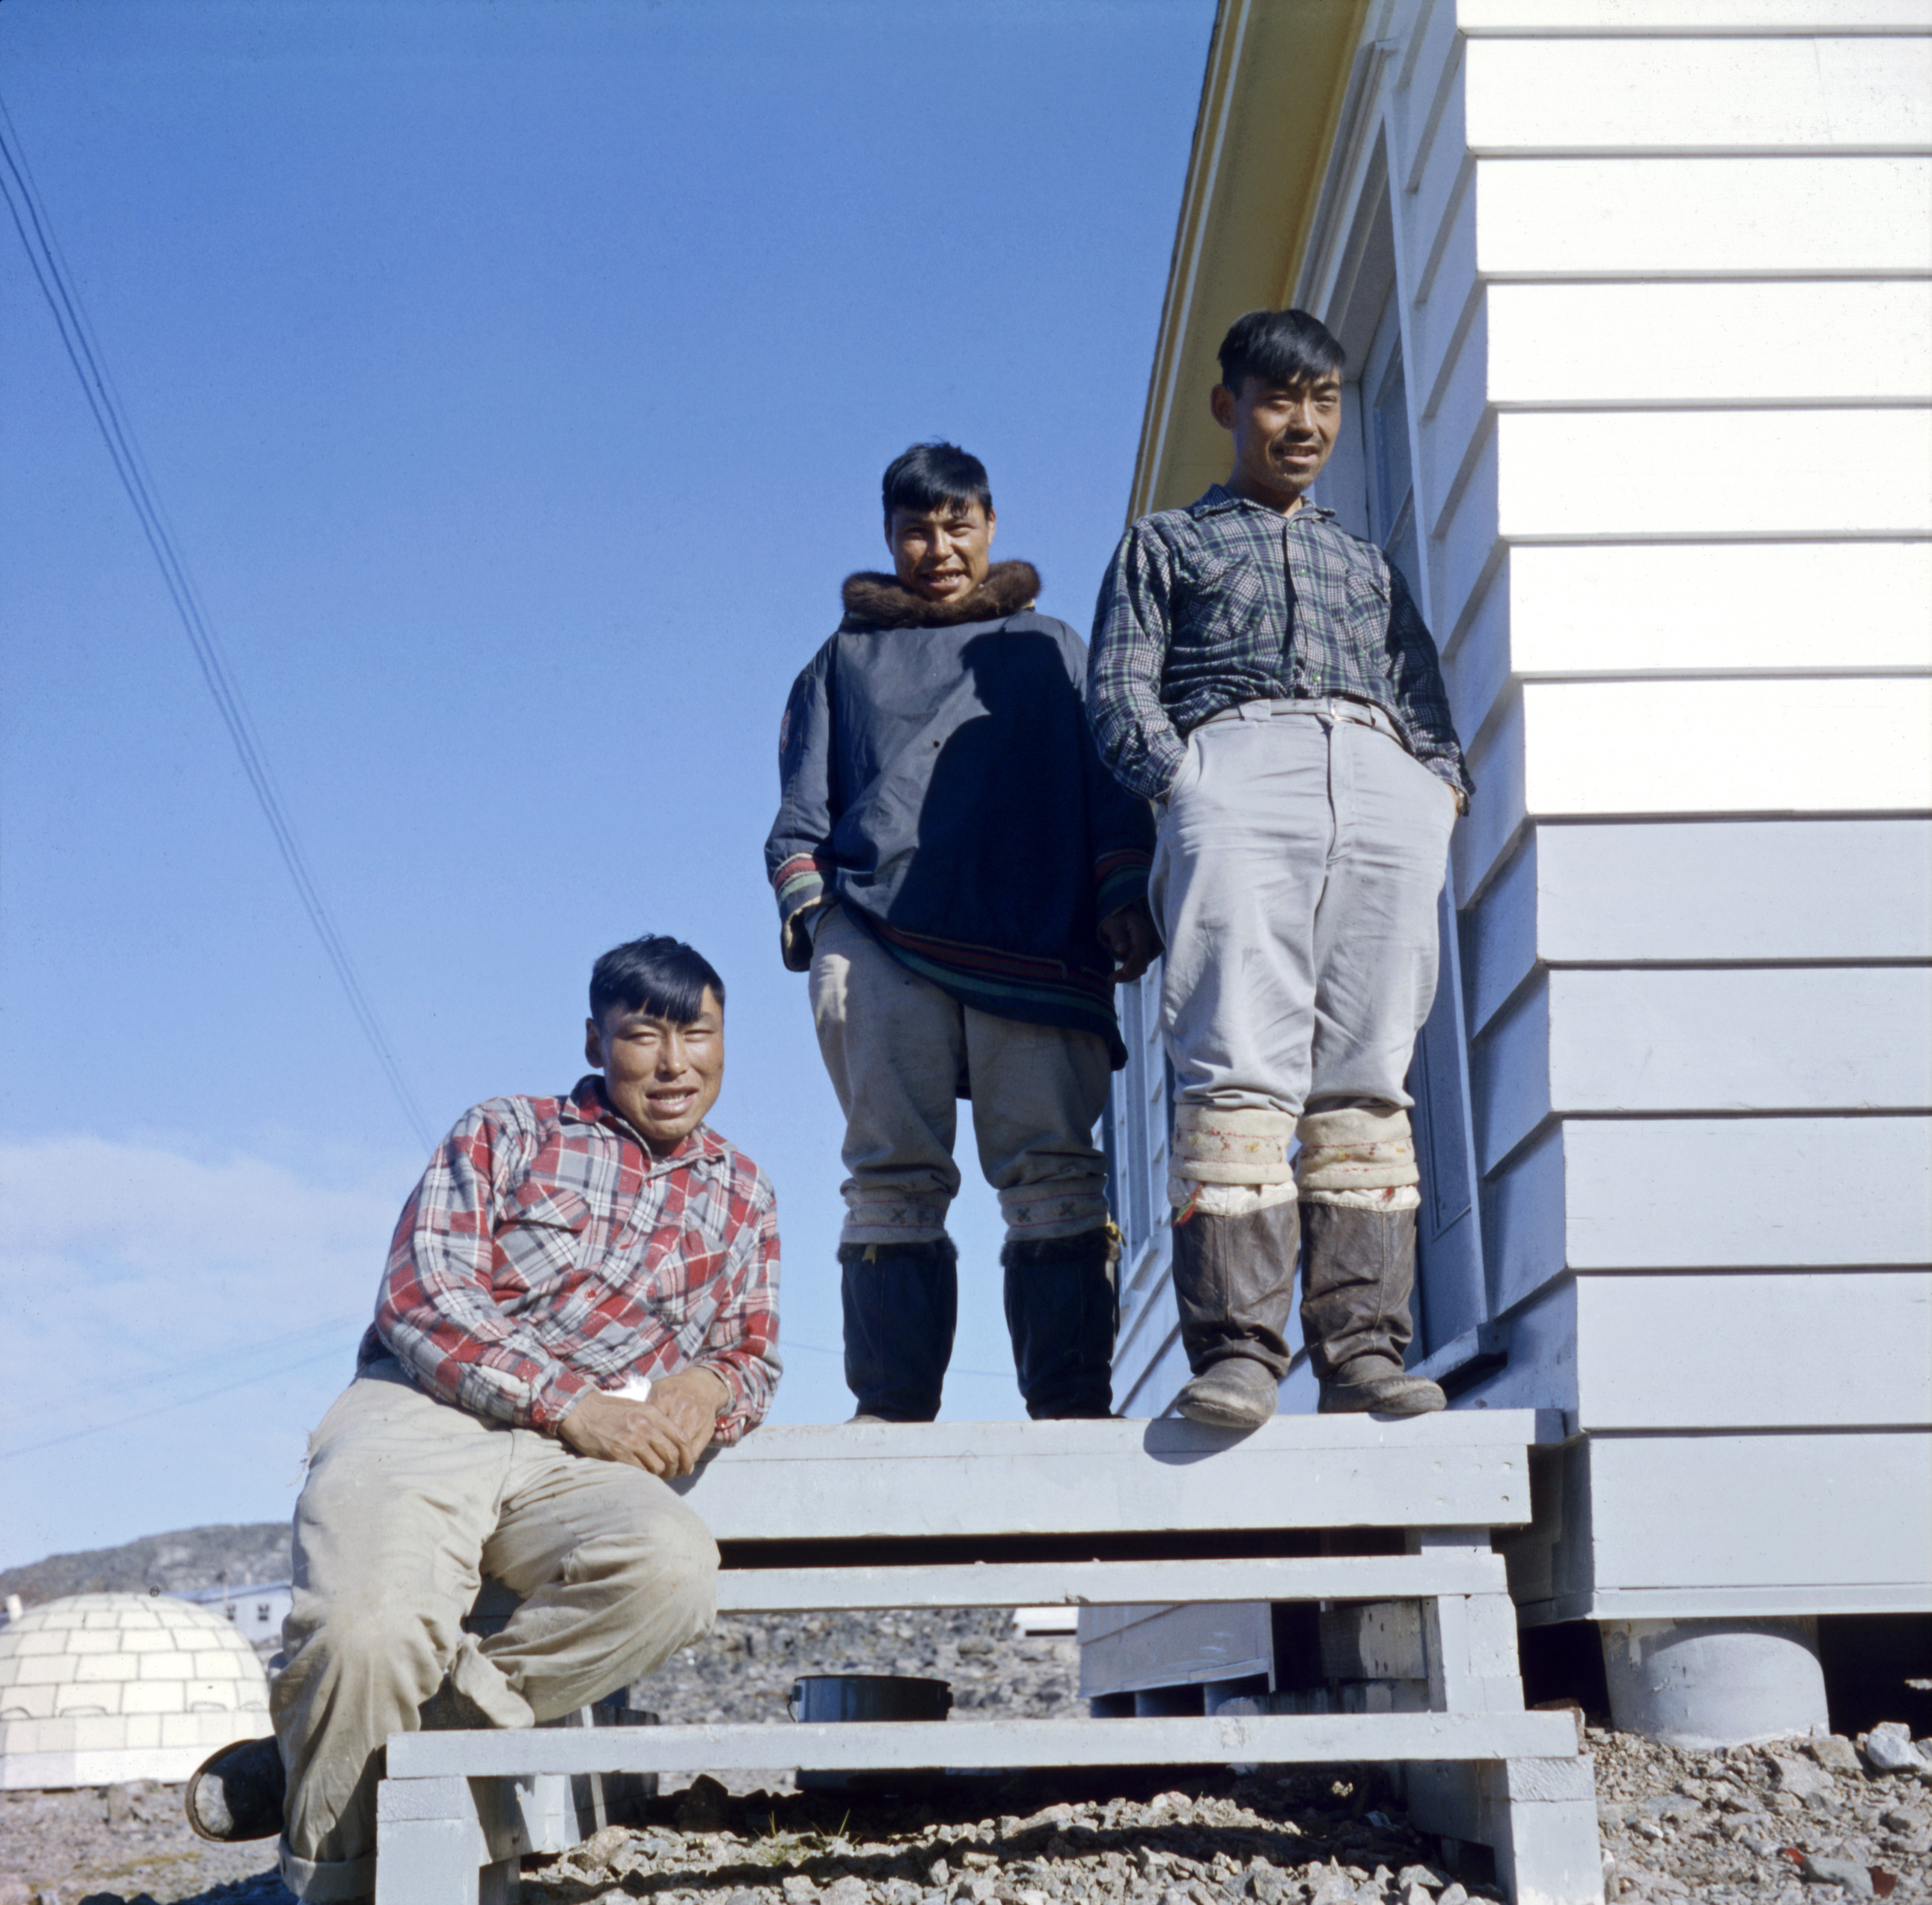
(180,1402)
(332,1328)
(49,269)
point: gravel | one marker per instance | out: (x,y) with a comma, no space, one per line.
(1800,1821)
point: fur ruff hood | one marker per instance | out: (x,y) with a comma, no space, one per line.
(875,600)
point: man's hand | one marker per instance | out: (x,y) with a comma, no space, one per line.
(1130,939)
(664,1436)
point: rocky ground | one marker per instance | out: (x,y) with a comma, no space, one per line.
(1815,1822)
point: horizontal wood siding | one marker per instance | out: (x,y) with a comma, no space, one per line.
(1693,663)
(1681,1526)
(1692,894)
(1666,281)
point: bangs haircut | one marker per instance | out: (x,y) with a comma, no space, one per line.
(1280,347)
(929,475)
(656,975)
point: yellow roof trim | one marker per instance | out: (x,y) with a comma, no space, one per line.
(1277,74)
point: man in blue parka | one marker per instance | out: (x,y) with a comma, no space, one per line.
(966,884)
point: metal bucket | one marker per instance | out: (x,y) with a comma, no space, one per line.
(823,1697)
(835,1696)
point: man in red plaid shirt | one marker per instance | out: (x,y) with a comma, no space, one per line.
(582,1295)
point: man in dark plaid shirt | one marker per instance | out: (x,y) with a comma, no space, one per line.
(1267,680)
(581,1295)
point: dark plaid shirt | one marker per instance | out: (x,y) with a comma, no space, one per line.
(1227,601)
(547,1251)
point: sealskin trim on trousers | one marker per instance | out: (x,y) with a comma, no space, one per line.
(1355,1150)
(1212,1146)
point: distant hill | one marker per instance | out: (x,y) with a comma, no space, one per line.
(190,1558)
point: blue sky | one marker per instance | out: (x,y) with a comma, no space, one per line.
(517,378)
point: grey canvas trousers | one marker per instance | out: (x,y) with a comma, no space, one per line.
(1296,874)
(409,1503)
(897,1046)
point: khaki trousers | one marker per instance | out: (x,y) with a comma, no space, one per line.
(409,1503)
(897,1046)
(1296,872)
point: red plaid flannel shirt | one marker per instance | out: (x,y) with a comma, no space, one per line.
(547,1251)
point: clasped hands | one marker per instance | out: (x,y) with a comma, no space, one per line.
(664,1435)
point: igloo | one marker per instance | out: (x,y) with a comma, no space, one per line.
(96,1688)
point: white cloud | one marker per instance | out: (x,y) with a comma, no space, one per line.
(175,1323)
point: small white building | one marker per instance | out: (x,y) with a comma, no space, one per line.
(1637,295)
(255,1610)
(99,1688)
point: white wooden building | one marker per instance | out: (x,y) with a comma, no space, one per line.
(1637,295)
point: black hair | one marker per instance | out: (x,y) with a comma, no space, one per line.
(656,974)
(929,475)
(1283,347)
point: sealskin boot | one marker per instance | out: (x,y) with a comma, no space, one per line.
(1063,1310)
(901,1305)
(1358,1270)
(238,1792)
(1234,1280)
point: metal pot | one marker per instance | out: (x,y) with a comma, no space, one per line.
(820,1697)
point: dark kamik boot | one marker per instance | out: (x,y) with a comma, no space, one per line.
(901,1304)
(1358,1272)
(1063,1309)
(1234,1281)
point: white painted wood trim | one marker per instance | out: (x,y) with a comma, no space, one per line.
(1800,216)
(1096,1584)
(1564,19)
(937,1479)
(1271,1739)
(1795,1349)
(1803,1511)
(1861,94)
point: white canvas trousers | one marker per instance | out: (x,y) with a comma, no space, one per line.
(1296,874)
(897,1046)
(409,1503)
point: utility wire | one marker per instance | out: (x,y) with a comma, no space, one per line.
(179,1402)
(49,268)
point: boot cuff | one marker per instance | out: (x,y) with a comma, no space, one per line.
(1355,1150)
(1084,1247)
(1212,1146)
(936,1250)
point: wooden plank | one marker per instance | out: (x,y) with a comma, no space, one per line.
(1686,1194)
(1509,1076)
(1793,1510)
(1694,1603)
(1698,17)
(1171,1646)
(1569,344)
(1847,1039)
(1495,827)
(1722,95)
(1383,1641)
(1271,1739)
(1836,1349)
(1085,1584)
(1699,1193)
(1727,747)
(1541,1335)
(1702,217)
(1716,892)
(858,1479)
(1500,932)
(1466,522)
(1714,472)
